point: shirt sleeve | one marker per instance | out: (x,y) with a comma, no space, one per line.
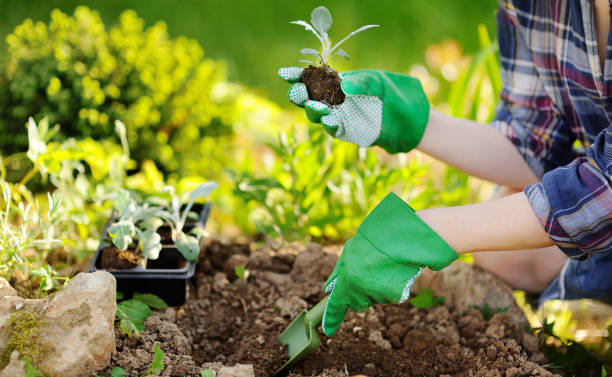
(574,202)
(526,114)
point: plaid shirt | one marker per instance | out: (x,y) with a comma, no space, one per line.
(554,95)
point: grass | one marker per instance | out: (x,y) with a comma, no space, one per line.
(255,37)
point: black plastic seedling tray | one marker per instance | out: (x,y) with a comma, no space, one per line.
(165,277)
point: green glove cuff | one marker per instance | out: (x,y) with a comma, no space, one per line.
(405,106)
(395,230)
(405,114)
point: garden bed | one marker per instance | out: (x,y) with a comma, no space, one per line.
(227,321)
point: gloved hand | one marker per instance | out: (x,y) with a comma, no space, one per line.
(381,108)
(380,263)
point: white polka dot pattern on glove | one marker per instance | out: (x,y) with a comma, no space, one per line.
(290,74)
(298,93)
(358,118)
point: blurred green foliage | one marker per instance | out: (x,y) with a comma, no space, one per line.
(255,37)
(75,72)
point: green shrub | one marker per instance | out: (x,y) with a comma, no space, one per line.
(321,189)
(77,73)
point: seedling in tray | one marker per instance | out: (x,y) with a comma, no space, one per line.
(177,216)
(322,81)
(135,222)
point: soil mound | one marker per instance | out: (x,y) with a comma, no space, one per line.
(229,320)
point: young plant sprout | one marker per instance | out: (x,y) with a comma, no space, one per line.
(176,217)
(136,221)
(323,82)
(321,21)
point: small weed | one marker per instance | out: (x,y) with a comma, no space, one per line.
(208,373)
(488,312)
(31,371)
(134,312)
(241,272)
(157,365)
(426,299)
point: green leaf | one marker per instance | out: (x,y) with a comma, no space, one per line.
(604,373)
(425,299)
(208,373)
(31,371)
(121,233)
(157,365)
(118,372)
(132,314)
(203,190)
(240,272)
(188,246)
(321,19)
(151,300)
(151,245)
(119,295)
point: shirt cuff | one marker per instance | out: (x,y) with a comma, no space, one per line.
(536,194)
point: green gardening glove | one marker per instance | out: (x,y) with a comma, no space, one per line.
(381,108)
(380,263)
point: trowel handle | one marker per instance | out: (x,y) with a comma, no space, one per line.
(315,315)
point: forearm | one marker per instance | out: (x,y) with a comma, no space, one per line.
(508,223)
(476,149)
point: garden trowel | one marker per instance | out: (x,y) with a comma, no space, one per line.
(301,336)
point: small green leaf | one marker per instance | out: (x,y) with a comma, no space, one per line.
(121,233)
(203,190)
(31,371)
(188,246)
(426,299)
(240,272)
(151,244)
(132,314)
(208,373)
(151,300)
(321,19)
(119,295)
(157,365)
(118,372)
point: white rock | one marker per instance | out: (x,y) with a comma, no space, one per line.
(238,370)
(72,332)
(15,367)
(6,289)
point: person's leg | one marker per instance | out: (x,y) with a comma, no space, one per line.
(529,270)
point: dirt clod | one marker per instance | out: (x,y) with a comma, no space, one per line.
(114,259)
(323,84)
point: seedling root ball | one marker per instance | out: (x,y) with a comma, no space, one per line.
(323,84)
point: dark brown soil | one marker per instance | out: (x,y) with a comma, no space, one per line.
(323,84)
(239,322)
(114,259)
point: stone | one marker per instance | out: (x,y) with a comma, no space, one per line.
(6,289)
(312,265)
(238,370)
(291,307)
(464,285)
(15,367)
(68,334)
(377,338)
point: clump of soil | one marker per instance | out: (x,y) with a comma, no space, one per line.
(323,84)
(114,259)
(225,323)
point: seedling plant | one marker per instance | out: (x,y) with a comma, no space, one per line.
(140,221)
(323,82)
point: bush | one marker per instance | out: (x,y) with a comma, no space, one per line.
(76,73)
